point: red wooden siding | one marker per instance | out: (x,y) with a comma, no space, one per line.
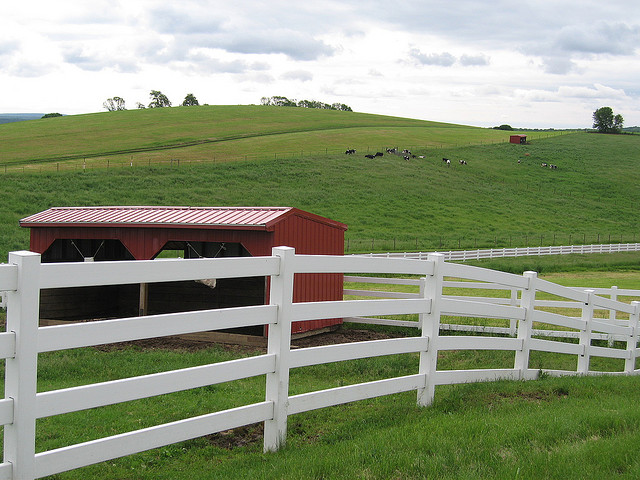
(259,229)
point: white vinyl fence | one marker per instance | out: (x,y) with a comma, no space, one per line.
(463,255)
(510,296)
(24,276)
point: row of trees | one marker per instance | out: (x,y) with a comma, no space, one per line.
(158,100)
(278,101)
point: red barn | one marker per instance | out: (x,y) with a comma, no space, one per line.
(72,234)
(521,139)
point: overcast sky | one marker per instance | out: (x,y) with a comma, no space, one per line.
(529,64)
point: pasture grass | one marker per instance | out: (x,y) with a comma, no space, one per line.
(553,427)
(222,133)
(388,204)
(493,430)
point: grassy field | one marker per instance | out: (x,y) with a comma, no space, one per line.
(221,133)
(550,428)
(564,428)
(389,204)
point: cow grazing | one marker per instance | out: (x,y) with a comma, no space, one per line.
(350,151)
(379,154)
(406,157)
(392,150)
(544,165)
(445,160)
(370,156)
(448,162)
(462,162)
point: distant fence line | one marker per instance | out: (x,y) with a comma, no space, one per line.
(102,161)
(456,255)
(477,289)
(440,244)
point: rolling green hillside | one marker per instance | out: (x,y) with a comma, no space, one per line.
(220,133)
(386,202)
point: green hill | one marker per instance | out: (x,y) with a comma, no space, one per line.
(501,197)
(219,133)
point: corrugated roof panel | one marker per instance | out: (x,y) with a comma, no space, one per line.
(197,216)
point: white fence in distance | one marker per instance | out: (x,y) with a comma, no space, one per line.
(25,275)
(463,255)
(512,297)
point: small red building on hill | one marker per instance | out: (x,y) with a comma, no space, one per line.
(72,234)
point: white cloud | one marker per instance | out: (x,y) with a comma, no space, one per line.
(468,63)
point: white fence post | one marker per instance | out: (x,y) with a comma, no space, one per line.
(23,309)
(612,313)
(525,326)
(279,344)
(513,323)
(585,334)
(632,342)
(431,287)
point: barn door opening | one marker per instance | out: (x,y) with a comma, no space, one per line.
(81,303)
(206,293)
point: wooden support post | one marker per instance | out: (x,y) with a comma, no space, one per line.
(632,342)
(144,299)
(23,308)
(585,334)
(279,344)
(525,327)
(431,288)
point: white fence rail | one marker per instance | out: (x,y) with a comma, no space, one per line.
(23,340)
(463,255)
(511,296)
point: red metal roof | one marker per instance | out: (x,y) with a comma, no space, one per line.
(261,218)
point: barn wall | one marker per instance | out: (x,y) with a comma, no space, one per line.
(313,238)
(307,235)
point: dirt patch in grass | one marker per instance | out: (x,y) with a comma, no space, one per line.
(341,335)
(237,437)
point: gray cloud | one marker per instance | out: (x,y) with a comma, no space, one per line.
(95,63)
(614,39)
(177,21)
(297,45)
(558,65)
(444,59)
(474,60)
(300,75)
